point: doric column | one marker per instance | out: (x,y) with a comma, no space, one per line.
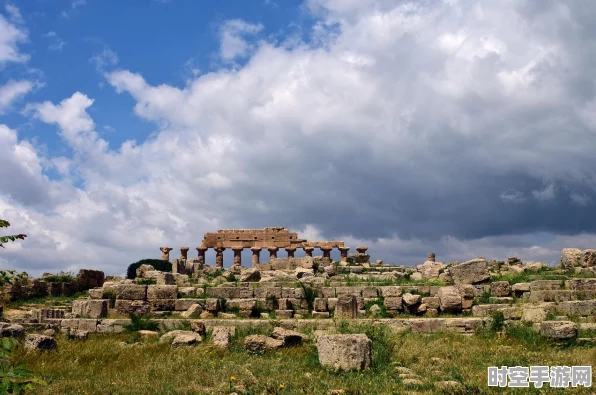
(219,257)
(361,250)
(201,251)
(344,253)
(184,253)
(431,257)
(290,251)
(256,251)
(326,254)
(308,251)
(237,256)
(165,253)
(273,252)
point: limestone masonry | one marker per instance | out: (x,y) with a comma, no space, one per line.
(314,290)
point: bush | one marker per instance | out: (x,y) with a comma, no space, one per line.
(62,277)
(14,377)
(158,264)
(11,276)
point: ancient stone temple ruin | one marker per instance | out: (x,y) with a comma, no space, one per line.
(271,239)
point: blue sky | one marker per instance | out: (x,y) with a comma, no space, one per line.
(166,42)
(408,126)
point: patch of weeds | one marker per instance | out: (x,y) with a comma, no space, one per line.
(310,295)
(110,295)
(183,325)
(485,298)
(550,316)
(146,281)
(526,335)
(139,322)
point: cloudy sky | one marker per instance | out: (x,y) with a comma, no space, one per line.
(464,128)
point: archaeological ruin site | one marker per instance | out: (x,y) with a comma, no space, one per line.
(281,302)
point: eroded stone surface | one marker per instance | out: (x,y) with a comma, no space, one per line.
(345,352)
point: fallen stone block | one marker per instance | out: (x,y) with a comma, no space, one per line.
(222,336)
(261,343)
(181,338)
(345,352)
(450,299)
(470,272)
(289,337)
(558,330)
(36,342)
(12,330)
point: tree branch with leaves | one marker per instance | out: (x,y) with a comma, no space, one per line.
(6,239)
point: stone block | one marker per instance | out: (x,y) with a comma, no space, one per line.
(184,304)
(500,288)
(345,352)
(92,308)
(431,302)
(450,299)
(284,313)
(370,292)
(470,272)
(320,304)
(390,291)
(347,307)
(212,304)
(162,304)
(331,303)
(162,292)
(558,330)
(130,291)
(393,303)
(546,285)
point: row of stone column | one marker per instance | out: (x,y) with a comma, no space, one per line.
(256,252)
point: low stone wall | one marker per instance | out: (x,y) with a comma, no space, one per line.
(460,325)
(38,287)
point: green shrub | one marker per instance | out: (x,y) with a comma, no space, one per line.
(310,295)
(14,377)
(146,281)
(158,264)
(11,276)
(497,321)
(62,277)
(139,323)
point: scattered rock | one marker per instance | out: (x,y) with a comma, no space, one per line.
(148,334)
(222,336)
(36,342)
(49,332)
(289,337)
(180,338)
(193,311)
(14,330)
(250,275)
(411,300)
(198,327)
(261,343)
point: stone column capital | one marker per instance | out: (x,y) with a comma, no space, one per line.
(361,249)
(202,249)
(256,250)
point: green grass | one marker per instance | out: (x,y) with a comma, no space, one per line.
(45,301)
(102,366)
